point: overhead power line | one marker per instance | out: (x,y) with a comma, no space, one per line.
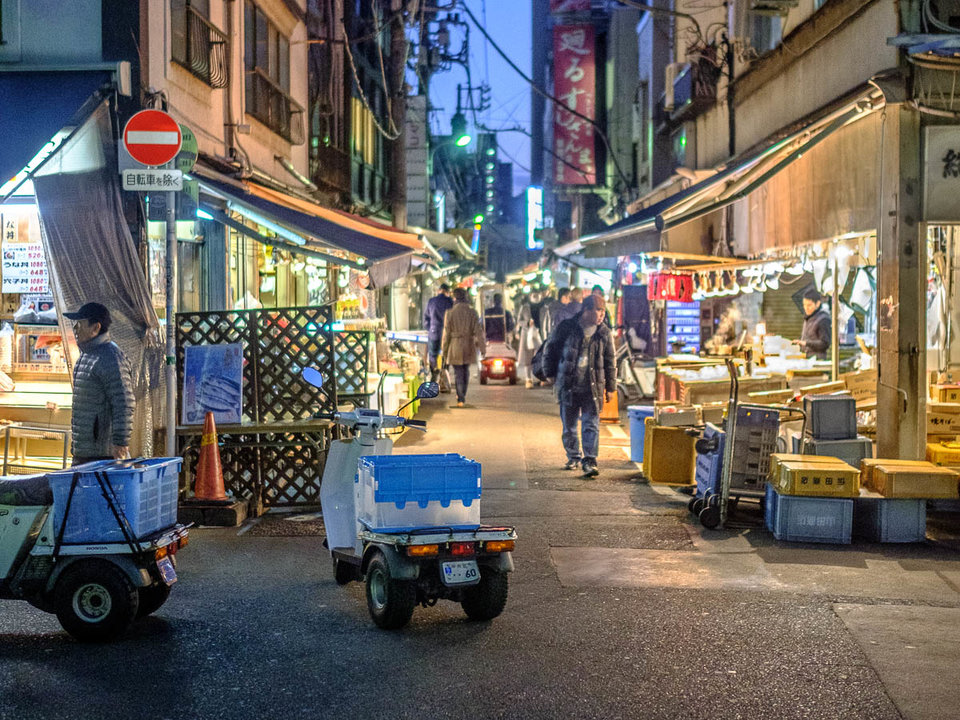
(543,93)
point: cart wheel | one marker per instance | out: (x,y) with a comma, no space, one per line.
(390,601)
(486,599)
(152,599)
(483,379)
(710,516)
(513,379)
(705,446)
(732,504)
(343,572)
(692,504)
(95,601)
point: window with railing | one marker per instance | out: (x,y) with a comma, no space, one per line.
(196,43)
(266,60)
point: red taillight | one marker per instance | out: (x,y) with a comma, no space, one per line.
(462,548)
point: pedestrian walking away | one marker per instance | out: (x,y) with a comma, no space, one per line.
(463,339)
(529,339)
(103,401)
(497,321)
(433,317)
(580,355)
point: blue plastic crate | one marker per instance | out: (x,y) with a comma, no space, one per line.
(831,417)
(145,490)
(637,414)
(797,518)
(850,451)
(890,520)
(395,493)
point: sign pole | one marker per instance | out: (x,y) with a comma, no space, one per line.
(170,368)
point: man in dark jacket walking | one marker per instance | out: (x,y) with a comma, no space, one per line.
(103,401)
(433,316)
(579,354)
(815,336)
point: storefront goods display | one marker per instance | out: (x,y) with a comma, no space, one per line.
(668,455)
(893,478)
(831,417)
(809,519)
(889,520)
(944,453)
(849,451)
(818,478)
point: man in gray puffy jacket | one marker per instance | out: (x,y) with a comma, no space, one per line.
(103,399)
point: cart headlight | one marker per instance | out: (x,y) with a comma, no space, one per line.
(498,546)
(422,550)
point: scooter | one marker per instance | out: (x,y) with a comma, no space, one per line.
(83,559)
(498,363)
(412,563)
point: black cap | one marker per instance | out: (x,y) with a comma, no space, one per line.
(94,312)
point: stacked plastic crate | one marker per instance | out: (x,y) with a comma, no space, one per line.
(810,497)
(833,429)
(755,440)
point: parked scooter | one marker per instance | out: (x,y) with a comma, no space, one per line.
(94,567)
(415,563)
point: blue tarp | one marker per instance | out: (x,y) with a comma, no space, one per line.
(36,106)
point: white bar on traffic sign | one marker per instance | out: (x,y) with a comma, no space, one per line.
(152,137)
(152,179)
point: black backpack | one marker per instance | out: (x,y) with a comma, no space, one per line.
(537,363)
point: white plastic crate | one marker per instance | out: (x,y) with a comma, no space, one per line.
(395,493)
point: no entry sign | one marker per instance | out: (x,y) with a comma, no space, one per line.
(152,137)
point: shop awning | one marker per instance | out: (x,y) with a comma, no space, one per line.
(449,242)
(641,232)
(385,252)
(38,105)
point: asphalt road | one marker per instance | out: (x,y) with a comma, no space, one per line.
(257,628)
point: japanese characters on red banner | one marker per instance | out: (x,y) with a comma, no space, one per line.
(575,85)
(667,286)
(565,6)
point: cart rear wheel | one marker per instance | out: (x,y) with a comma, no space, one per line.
(390,601)
(710,516)
(483,379)
(513,379)
(95,601)
(692,504)
(486,599)
(151,599)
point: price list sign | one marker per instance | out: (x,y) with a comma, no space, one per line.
(23,267)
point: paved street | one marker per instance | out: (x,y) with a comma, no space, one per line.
(620,607)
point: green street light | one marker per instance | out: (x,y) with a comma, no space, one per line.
(458,124)
(477,219)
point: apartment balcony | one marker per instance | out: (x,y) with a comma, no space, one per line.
(268,103)
(330,169)
(200,47)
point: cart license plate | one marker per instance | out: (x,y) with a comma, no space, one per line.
(462,572)
(167,571)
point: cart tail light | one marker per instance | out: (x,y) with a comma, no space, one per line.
(498,364)
(184,542)
(497,546)
(462,548)
(161,553)
(422,550)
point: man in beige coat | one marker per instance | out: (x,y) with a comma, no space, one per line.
(463,338)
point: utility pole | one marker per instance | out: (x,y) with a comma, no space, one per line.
(398,110)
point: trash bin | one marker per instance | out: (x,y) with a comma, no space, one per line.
(637,414)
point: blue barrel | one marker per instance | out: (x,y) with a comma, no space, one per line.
(637,414)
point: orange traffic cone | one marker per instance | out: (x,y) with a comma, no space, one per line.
(209,482)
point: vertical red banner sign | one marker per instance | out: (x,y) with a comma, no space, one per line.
(575,84)
(565,6)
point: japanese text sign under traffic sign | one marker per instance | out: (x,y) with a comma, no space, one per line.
(189,150)
(576,87)
(152,179)
(152,137)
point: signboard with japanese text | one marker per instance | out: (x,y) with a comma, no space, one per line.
(670,286)
(575,85)
(558,7)
(415,139)
(941,165)
(151,179)
(24,266)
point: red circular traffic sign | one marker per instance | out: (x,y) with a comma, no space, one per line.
(152,137)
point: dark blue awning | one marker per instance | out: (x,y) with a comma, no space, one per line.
(36,106)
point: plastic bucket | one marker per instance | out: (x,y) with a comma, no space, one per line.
(637,414)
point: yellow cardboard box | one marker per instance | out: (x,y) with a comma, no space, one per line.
(822,479)
(867,466)
(903,481)
(862,385)
(944,453)
(946,393)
